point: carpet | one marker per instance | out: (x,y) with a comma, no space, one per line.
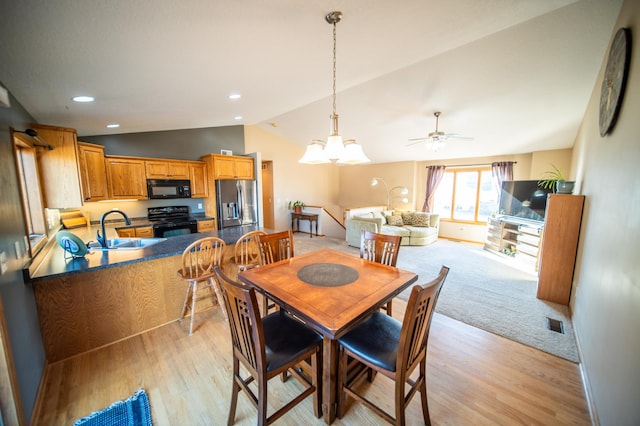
(133,411)
(482,290)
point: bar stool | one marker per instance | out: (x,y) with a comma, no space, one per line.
(198,261)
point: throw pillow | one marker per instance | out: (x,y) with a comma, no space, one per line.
(395,220)
(407,218)
(421,219)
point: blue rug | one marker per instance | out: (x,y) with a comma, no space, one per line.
(134,411)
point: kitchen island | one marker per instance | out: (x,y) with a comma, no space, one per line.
(107,296)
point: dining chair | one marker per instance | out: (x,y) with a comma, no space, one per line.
(247,251)
(394,349)
(273,248)
(268,347)
(380,248)
(198,260)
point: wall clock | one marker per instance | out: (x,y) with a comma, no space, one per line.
(614,80)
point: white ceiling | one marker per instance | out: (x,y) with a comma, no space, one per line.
(514,74)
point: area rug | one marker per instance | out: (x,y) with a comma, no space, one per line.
(133,411)
(482,290)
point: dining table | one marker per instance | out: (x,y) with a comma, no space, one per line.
(331,292)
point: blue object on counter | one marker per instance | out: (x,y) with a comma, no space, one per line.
(71,244)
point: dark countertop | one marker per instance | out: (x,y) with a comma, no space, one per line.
(53,263)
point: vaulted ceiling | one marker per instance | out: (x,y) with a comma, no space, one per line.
(516,75)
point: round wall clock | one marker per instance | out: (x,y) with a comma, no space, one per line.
(614,80)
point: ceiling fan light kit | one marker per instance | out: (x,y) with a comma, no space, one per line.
(334,149)
(436,140)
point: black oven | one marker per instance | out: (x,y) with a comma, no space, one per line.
(169,221)
(168,188)
(171,229)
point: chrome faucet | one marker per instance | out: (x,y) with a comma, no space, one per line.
(102,239)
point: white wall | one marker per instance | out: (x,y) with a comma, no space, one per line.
(606,293)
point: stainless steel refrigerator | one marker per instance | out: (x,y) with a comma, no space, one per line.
(237,203)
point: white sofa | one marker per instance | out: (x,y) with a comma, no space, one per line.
(415,228)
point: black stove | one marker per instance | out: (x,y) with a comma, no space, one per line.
(169,221)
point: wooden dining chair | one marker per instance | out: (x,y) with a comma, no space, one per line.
(267,347)
(247,251)
(273,248)
(394,349)
(383,249)
(198,260)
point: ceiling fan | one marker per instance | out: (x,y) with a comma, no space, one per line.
(435,140)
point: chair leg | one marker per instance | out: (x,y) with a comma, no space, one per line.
(216,288)
(316,379)
(235,389)
(194,288)
(423,394)
(342,381)
(186,301)
(262,402)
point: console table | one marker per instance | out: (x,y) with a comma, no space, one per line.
(311,217)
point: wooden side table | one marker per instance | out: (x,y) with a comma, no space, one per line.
(311,217)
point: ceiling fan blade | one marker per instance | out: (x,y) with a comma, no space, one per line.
(455,137)
(417,141)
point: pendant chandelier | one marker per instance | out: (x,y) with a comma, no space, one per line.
(334,149)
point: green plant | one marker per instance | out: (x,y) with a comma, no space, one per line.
(550,178)
(294,204)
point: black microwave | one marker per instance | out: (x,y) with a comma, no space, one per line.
(168,188)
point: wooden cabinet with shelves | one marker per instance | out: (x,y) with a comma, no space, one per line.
(230,166)
(126,178)
(516,239)
(198,178)
(206,225)
(158,169)
(93,172)
(559,247)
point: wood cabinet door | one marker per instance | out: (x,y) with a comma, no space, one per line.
(144,232)
(198,178)
(244,168)
(126,178)
(93,172)
(166,170)
(206,225)
(224,167)
(126,232)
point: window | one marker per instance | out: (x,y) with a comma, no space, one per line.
(466,195)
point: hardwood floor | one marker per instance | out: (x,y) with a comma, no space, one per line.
(474,378)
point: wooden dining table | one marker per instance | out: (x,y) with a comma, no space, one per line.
(331,292)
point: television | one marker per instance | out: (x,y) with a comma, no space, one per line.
(523,199)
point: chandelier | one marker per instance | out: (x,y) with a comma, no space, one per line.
(334,149)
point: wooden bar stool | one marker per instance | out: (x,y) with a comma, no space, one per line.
(198,261)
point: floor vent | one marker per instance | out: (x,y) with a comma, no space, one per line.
(555,325)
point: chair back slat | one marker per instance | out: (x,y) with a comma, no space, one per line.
(417,322)
(244,323)
(276,246)
(247,249)
(199,258)
(380,248)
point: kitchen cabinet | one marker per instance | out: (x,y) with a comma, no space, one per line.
(198,178)
(93,172)
(231,166)
(559,247)
(158,169)
(135,232)
(206,225)
(126,178)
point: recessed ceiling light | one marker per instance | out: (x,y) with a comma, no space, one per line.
(238,117)
(235,96)
(83,99)
(113,126)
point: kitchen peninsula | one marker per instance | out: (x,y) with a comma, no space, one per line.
(107,296)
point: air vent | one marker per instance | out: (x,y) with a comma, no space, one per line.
(555,325)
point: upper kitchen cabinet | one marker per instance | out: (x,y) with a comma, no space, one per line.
(126,178)
(93,172)
(59,171)
(158,169)
(230,166)
(198,178)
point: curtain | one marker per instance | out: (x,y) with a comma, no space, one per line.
(501,171)
(434,176)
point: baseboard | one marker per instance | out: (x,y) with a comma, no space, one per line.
(595,420)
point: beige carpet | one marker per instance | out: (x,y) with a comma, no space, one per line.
(481,289)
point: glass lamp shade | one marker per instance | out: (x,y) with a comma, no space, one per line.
(334,149)
(314,154)
(353,154)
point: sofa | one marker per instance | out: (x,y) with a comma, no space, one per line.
(415,228)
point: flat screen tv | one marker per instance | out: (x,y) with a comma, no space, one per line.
(523,199)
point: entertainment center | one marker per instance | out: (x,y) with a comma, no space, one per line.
(540,231)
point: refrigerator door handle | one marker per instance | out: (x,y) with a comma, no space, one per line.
(240,202)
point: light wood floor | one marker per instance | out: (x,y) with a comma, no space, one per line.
(474,378)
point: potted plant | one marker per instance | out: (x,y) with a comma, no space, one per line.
(554,180)
(296,206)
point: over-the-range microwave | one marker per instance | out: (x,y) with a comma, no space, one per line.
(168,188)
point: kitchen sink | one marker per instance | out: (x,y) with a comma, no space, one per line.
(126,243)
